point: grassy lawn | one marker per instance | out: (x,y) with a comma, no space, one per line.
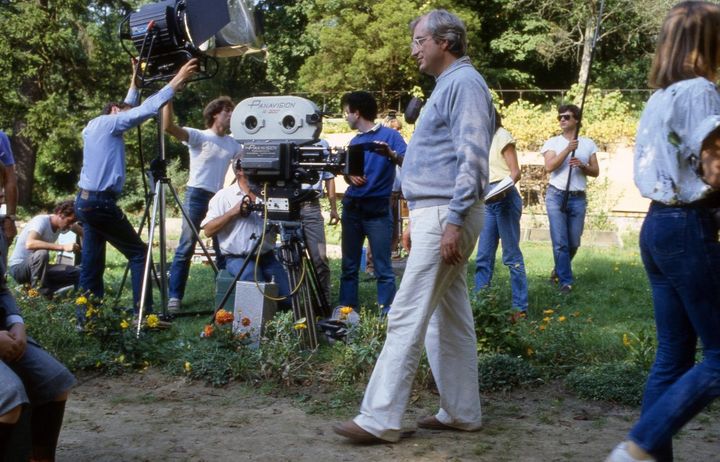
(606,321)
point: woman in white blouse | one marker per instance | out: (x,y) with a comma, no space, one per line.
(677,166)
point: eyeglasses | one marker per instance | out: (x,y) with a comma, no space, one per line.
(564,117)
(417,42)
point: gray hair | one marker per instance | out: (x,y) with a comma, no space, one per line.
(444,25)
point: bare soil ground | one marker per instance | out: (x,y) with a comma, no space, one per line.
(154,417)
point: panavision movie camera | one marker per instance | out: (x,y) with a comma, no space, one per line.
(283,154)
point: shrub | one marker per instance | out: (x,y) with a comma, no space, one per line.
(353,361)
(282,357)
(495,333)
(499,372)
(618,382)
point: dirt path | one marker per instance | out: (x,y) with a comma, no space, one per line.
(153,417)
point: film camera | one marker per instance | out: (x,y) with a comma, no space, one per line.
(283,155)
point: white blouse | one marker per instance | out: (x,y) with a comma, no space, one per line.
(673,126)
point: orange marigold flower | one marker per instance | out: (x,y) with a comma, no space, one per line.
(346,310)
(245,321)
(207,331)
(224,317)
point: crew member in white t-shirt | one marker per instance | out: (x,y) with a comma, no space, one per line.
(566,226)
(30,261)
(211,152)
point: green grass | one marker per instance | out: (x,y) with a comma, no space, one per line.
(611,297)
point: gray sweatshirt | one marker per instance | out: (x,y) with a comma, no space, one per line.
(446,161)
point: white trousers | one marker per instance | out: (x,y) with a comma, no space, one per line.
(432,306)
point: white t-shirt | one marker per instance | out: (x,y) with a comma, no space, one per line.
(210,157)
(41,225)
(234,238)
(558,178)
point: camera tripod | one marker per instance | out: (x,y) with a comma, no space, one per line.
(306,296)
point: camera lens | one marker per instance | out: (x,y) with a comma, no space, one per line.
(251,122)
(288,122)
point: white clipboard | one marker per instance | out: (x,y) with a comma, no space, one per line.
(502,185)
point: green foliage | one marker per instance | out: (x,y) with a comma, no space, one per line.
(530,124)
(641,347)
(601,200)
(500,372)
(495,333)
(618,382)
(282,357)
(353,361)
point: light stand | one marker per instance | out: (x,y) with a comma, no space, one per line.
(158,181)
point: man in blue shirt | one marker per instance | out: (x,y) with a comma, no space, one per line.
(8,180)
(366,203)
(101,182)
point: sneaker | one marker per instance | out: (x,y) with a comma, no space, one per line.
(622,454)
(566,289)
(174,305)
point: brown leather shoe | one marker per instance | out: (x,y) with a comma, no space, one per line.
(432,423)
(356,433)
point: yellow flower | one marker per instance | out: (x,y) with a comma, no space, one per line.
(562,318)
(81,300)
(300,326)
(541,327)
(548,311)
(188,366)
(32,293)
(124,324)
(346,310)
(626,340)
(153,321)
(547,319)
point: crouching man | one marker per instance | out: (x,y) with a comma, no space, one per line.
(237,235)
(30,261)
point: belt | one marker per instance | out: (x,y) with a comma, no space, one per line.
(84,193)
(570,193)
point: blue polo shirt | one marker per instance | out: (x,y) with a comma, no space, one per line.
(103,166)
(6,155)
(379,170)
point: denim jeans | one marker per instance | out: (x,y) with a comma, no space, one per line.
(270,268)
(566,228)
(195,204)
(681,254)
(371,218)
(502,222)
(103,222)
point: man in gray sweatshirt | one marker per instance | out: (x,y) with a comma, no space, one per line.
(444,174)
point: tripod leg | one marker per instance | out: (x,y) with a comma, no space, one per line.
(148,260)
(195,232)
(255,249)
(163,250)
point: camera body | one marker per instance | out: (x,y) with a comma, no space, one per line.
(282,151)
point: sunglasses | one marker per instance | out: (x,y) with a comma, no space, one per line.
(564,117)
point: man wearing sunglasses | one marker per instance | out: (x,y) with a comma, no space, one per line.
(567,154)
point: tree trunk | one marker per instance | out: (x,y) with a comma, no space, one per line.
(25,156)
(587,51)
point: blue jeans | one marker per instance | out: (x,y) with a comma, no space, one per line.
(371,218)
(103,222)
(195,204)
(681,254)
(566,228)
(502,222)
(270,268)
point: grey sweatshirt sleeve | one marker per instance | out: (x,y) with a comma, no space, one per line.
(471,122)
